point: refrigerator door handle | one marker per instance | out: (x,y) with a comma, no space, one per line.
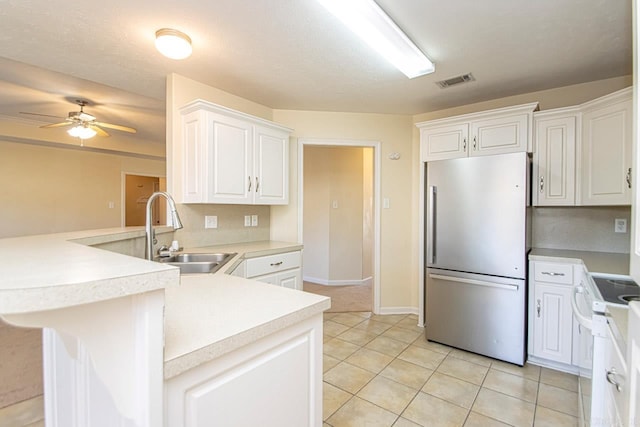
(431,225)
(475,282)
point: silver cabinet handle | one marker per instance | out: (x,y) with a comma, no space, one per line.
(474,142)
(257,184)
(542,184)
(551,273)
(249,184)
(629,177)
(538,308)
(610,374)
(276,264)
(464,145)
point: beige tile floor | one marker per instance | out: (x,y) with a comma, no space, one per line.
(380,371)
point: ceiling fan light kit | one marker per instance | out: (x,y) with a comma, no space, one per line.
(85,125)
(377,29)
(82,132)
(173,44)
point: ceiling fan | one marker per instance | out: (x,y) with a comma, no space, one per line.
(85,125)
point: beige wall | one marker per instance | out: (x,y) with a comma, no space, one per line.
(51,190)
(316,214)
(394,132)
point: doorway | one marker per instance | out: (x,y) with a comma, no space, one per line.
(137,190)
(339,222)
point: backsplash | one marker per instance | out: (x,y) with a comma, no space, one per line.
(230,229)
(581,228)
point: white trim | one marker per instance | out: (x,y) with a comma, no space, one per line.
(327,282)
(376,145)
(399,310)
(421,283)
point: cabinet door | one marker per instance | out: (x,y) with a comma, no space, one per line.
(633,363)
(191,167)
(553,320)
(606,155)
(271,166)
(499,135)
(231,163)
(291,279)
(554,161)
(446,142)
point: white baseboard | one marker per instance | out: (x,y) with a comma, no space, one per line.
(398,310)
(325,282)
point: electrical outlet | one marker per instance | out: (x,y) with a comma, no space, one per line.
(247,220)
(334,204)
(210,221)
(254,220)
(620,225)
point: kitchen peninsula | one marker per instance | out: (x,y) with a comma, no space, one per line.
(132,342)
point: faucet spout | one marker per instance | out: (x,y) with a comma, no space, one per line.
(175,221)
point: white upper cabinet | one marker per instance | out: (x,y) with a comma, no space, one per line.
(583,153)
(445,142)
(606,150)
(226,156)
(505,130)
(554,157)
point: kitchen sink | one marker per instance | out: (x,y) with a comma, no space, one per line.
(197,263)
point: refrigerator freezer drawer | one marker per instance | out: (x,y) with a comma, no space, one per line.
(478,313)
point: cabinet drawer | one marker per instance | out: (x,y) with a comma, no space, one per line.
(273,263)
(553,273)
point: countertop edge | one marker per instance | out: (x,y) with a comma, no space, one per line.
(183,363)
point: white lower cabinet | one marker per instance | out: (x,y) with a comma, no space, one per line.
(273,382)
(283,269)
(551,327)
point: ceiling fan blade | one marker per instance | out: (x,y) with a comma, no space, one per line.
(116,127)
(57,125)
(99,131)
(44,115)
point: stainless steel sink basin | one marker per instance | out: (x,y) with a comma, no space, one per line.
(197,263)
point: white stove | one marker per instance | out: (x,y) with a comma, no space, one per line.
(590,300)
(615,290)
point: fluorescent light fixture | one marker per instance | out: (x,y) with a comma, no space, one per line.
(82,132)
(373,25)
(173,44)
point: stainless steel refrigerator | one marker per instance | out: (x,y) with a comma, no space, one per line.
(476,248)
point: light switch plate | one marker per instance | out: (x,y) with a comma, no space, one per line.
(210,221)
(247,220)
(254,220)
(620,225)
(385,203)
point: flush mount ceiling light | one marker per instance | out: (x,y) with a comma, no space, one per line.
(373,25)
(82,132)
(173,44)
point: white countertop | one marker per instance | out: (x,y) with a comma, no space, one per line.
(206,315)
(53,271)
(211,315)
(596,262)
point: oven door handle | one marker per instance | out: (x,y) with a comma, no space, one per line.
(581,318)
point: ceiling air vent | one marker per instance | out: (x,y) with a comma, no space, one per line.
(455,80)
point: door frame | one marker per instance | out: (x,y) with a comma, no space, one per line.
(123,191)
(376,198)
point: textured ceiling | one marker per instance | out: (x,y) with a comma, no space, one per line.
(292,54)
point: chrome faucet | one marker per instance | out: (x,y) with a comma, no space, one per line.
(175,221)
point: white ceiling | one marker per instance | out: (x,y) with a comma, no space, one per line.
(292,54)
